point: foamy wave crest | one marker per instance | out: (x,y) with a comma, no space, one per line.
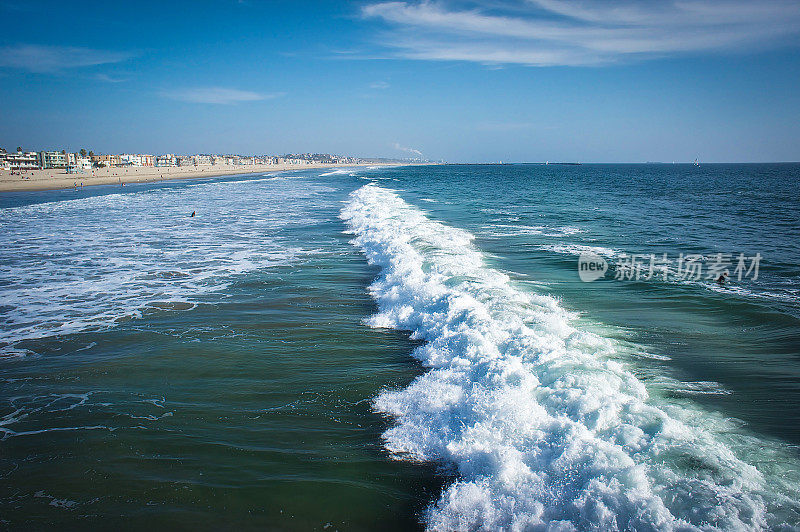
(545,432)
(341,171)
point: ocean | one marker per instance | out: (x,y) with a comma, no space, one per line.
(405,348)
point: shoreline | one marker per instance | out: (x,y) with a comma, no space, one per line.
(58,178)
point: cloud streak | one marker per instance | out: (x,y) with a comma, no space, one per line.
(217,95)
(575,33)
(50,59)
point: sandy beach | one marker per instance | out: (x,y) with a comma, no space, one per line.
(59,178)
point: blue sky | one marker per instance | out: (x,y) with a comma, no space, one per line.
(511,80)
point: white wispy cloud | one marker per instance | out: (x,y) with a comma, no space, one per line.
(218,95)
(406,149)
(581,32)
(48,59)
(109,79)
(379,85)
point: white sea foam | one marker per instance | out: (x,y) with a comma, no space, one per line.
(543,429)
(84,264)
(578,249)
(503,229)
(340,171)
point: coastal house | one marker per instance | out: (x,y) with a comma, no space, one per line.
(52,159)
(21,160)
(76,161)
(106,160)
(128,159)
(222,160)
(136,159)
(166,160)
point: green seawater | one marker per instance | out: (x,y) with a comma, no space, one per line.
(163,371)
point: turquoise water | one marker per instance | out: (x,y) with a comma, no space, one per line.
(401,348)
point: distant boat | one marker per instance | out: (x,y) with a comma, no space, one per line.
(696,162)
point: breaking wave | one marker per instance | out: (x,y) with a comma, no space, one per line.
(544,431)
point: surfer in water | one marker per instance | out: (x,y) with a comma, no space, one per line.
(721,279)
(192,216)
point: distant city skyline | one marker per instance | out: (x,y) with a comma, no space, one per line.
(463,81)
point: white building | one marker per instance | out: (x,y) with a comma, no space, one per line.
(20,160)
(129,159)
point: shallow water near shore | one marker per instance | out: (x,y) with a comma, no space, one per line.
(401,348)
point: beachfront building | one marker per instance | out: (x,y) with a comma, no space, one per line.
(52,159)
(128,159)
(194,160)
(75,160)
(106,160)
(222,160)
(135,159)
(166,160)
(19,160)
